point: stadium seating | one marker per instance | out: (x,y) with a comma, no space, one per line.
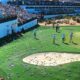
(13,19)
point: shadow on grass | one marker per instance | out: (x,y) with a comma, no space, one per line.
(75,43)
(56,44)
(36,38)
(66,43)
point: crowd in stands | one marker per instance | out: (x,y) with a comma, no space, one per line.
(8,12)
(23,16)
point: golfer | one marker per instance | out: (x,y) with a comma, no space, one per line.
(63,38)
(54,38)
(71,37)
(35,34)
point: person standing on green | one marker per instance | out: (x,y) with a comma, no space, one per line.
(63,38)
(35,34)
(71,37)
(54,38)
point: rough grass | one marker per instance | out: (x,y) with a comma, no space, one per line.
(11,56)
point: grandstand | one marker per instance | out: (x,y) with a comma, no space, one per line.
(50,7)
(13,20)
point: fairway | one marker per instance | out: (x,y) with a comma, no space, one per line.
(12,66)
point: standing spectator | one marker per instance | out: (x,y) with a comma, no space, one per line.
(8,33)
(63,38)
(71,37)
(54,38)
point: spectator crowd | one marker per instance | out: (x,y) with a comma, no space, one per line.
(9,12)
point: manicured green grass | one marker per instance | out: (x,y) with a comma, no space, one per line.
(11,56)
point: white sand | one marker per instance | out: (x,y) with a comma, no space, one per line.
(51,59)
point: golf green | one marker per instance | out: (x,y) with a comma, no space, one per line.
(13,68)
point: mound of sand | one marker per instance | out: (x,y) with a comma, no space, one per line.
(51,59)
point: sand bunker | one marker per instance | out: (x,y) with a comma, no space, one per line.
(51,59)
